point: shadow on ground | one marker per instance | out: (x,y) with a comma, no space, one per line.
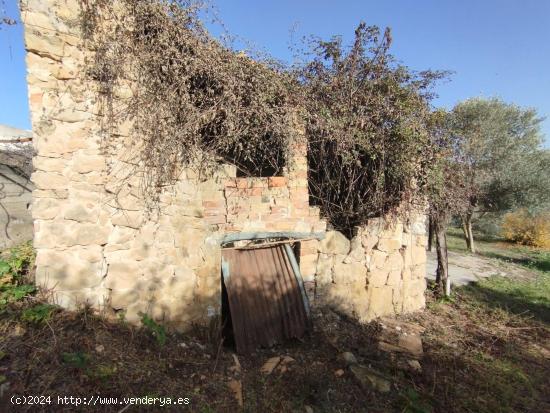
(515,300)
(479,356)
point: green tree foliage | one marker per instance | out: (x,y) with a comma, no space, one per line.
(504,163)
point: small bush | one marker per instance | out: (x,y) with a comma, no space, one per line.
(525,228)
(18,263)
(10,293)
(155,329)
(15,267)
(38,314)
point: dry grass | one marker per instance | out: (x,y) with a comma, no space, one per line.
(484,355)
(80,354)
(478,358)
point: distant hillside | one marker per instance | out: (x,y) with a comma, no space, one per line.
(9,132)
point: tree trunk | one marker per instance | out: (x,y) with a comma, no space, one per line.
(468,232)
(465,232)
(471,244)
(442,275)
(430,232)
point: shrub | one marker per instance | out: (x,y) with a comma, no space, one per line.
(10,293)
(38,314)
(367,127)
(198,103)
(14,269)
(526,228)
(18,263)
(155,329)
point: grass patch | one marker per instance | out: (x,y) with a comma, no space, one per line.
(156,330)
(413,402)
(529,297)
(487,349)
(16,263)
(502,250)
(16,266)
(77,360)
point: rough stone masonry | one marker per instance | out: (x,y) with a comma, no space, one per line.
(97,245)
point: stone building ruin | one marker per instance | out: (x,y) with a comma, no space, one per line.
(108,252)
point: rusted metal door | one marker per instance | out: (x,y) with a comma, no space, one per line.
(266,296)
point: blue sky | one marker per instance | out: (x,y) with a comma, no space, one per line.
(495,47)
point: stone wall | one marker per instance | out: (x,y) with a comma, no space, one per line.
(275,204)
(381,271)
(96,242)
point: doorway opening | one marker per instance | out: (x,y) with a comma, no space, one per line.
(263,297)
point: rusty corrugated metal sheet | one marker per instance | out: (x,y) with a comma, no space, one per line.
(264,295)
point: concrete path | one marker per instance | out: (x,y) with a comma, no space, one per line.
(466,268)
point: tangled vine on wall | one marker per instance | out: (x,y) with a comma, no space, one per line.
(190,100)
(369,141)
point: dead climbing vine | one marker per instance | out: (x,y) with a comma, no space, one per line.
(180,98)
(369,143)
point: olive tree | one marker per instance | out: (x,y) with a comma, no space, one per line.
(504,166)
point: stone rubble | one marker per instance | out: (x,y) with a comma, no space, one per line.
(401,337)
(349,358)
(370,379)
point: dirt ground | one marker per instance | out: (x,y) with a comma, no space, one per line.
(487,349)
(477,358)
